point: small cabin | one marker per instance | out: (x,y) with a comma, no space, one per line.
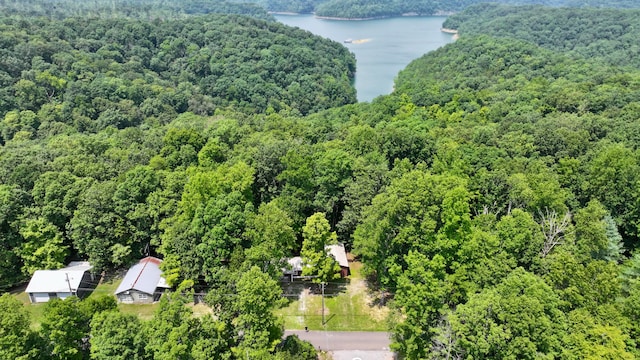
(143,282)
(340,254)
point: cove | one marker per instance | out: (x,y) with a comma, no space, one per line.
(382,47)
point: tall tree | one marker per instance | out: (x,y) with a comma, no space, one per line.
(115,335)
(65,329)
(14,329)
(518,319)
(173,330)
(317,235)
(43,246)
(12,204)
(420,296)
(257,296)
(209,222)
(272,238)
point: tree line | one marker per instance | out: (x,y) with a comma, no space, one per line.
(354,9)
(72,329)
(139,9)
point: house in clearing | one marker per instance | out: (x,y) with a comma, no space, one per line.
(75,279)
(294,270)
(337,251)
(340,254)
(143,283)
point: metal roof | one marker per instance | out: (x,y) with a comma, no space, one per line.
(338,252)
(145,276)
(56,280)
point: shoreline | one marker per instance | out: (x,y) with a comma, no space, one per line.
(350,19)
(449,31)
(337,18)
(283,13)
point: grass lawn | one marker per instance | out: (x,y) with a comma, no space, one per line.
(347,307)
(142,311)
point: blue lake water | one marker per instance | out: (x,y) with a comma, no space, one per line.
(382,47)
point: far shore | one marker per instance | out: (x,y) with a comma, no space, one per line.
(337,18)
(351,19)
(284,13)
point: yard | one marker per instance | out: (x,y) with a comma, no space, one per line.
(347,306)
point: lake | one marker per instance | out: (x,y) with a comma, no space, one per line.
(382,47)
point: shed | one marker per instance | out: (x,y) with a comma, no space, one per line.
(340,254)
(143,283)
(75,279)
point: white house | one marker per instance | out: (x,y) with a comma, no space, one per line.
(61,283)
(143,283)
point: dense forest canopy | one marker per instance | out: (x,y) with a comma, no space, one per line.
(492,198)
(135,9)
(609,35)
(91,72)
(163,9)
(377,8)
(62,78)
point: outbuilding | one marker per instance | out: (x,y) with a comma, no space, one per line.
(340,254)
(75,279)
(143,283)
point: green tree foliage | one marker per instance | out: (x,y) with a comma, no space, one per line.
(272,238)
(292,348)
(43,246)
(257,296)
(210,220)
(604,34)
(61,9)
(492,197)
(364,9)
(520,318)
(65,329)
(317,262)
(419,299)
(418,211)
(12,203)
(196,65)
(588,339)
(116,336)
(172,331)
(15,333)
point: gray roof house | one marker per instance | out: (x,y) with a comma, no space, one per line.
(75,279)
(143,283)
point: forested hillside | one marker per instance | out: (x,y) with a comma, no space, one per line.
(65,78)
(378,8)
(88,74)
(135,9)
(492,198)
(532,185)
(609,35)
